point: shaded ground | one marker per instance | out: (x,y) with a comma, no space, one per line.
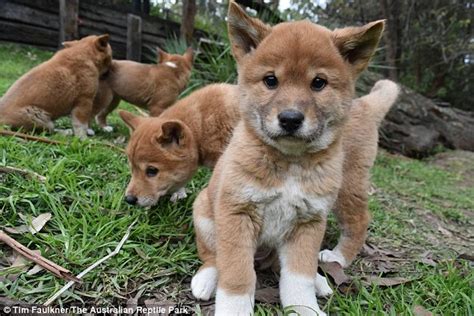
(422,221)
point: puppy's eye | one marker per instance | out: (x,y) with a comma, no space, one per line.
(151,171)
(270,81)
(318,84)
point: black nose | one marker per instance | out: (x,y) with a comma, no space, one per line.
(131,199)
(290,120)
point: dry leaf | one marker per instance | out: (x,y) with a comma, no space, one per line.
(419,310)
(37,268)
(35,226)
(335,271)
(381,281)
(269,295)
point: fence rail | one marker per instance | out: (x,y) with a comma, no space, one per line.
(38,23)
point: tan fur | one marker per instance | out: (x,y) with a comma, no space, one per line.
(273,187)
(203,124)
(153,87)
(65,84)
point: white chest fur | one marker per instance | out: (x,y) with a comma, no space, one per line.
(283,207)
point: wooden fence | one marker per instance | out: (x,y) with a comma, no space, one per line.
(46,23)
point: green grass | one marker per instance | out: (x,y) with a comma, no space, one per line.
(84,192)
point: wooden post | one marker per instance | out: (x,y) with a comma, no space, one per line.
(68,18)
(134,37)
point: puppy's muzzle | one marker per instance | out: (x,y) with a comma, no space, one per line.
(290,120)
(131,199)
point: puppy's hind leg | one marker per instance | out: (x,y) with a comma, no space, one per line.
(204,282)
(352,213)
(101,117)
(81,115)
(30,118)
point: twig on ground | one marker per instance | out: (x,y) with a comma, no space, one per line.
(38,259)
(93,266)
(51,141)
(23,172)
(30,137)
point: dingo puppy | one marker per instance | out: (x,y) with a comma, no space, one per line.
(283,168)
(164,152)
(153,87)
(65,84)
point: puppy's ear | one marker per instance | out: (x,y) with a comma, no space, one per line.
(188,55)
(245,33)
(172,133)
(161,55)
(357,44)
(102,42)
(130,119)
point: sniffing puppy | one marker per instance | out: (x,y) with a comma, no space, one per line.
(283,168)
(164,152)
(153,87)
(65,84)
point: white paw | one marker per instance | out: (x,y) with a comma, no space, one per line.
(108,129)
(231,304)
(90,132)
(65,132)
(322,286)
(204,283)
(178,195)
(332,256)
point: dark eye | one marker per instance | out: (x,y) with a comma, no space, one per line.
(318,84)
(151,171)
(271,81)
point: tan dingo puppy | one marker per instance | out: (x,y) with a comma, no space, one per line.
(283,168)
(165,151)
(65,84)
(152,87)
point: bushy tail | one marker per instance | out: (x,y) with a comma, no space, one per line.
(380,99)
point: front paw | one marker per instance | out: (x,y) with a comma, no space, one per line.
(204,283)
(322,286)
(234,304)
(178,195)
(108,129)
(90,132)
(332,256)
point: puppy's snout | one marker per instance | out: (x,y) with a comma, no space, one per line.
(290,120)
(131,199)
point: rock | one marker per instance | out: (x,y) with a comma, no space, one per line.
(417,127)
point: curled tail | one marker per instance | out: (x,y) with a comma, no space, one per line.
(380,99)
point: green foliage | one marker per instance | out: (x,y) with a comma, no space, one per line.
(432,41)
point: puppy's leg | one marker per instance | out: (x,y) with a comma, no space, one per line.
(352,213)
(81,115)
(204,282)
(28,118)
(236,245)
(298,268)
(101,118)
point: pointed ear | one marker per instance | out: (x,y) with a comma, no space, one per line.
(161,55)
(245,33)
(130,119)
(188,55)
(172,133)
(102,42)
(357,44)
